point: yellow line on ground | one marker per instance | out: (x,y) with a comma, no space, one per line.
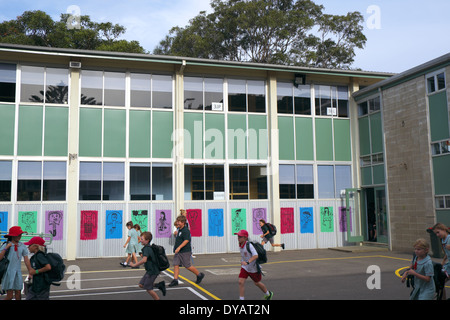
(197,286)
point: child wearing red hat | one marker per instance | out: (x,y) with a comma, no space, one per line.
(39,287)
(15,250)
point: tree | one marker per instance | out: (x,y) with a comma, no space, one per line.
(39,29)
(289,32)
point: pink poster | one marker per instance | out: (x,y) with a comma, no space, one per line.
(287,220)
(194,217)
(89,225)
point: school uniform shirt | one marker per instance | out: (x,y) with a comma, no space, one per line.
(446,242)
(423,290)
(12,280)
(40,283)
(182,235)
(264,229)
(245,255)
(150,266)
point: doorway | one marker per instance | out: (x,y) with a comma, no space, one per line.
(376,215)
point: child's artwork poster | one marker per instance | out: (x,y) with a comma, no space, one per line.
(306,220)
(194,217)
(54,223)
(343,219)
(163,223)
(215,223)
(326,219)
(238,220)
(89,225)
(113,225)
(140,217)
(3,221)
(287,220)
(27,220)
(258,214)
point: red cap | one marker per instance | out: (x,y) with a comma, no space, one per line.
(14,232)
(35,240)
(242,233)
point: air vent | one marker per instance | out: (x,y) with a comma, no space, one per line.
(75,64)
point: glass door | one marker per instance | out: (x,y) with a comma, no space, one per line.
(353,215)
(381,215)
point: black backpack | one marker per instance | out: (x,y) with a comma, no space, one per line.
(272,229)
(4,264)
(262,254)
(439,280)
(161,258)
(56,274)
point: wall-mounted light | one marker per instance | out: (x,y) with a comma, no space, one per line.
(299,79)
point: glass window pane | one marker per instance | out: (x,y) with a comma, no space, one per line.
(431,84)
(343,179)
(440,203)
(237,96)
(284,97)
(213,92)
(325,176)
(441,81)
(113,180)
(54,184)
(162,92)
(32,84)
(5,180)
(323,99)
(193,93)
(305,181)
(256,96)
(7,82)
(374,104)
(238,182)
(363,109)
(29,178)
(287,181)
(140,91)
(114,89)
(302,99)
(342,101)
(161,181)
(90,181)
(258,182)
(92,87)
(57,88)
(140,181)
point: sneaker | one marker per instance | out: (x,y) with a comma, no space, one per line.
(173,283)
(282,246)
(124,264)
(200,278)
(162,287)
(269,297)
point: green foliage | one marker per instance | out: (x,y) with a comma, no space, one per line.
(289,32)
(38,28)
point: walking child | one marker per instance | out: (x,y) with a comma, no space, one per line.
(442,232)
(139,245)
(38,287)
(422,270)
(131,244)
(152,271)
(12,281)
(183,252)
(267,236)
(249,267)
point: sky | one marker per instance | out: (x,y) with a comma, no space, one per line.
(401,34)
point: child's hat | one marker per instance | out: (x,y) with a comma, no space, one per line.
(15,232)
(35,240)
(242,233)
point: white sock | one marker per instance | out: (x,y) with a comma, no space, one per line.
(241,298)
(267,293)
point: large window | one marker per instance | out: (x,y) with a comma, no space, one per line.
(436,81)
(5,180)
(293,99)
(246,96)
(47,85)
(369,106)
(7,82)
(103,88)
(296,181)
(331,101)
(102,181)
(149,90)
(248,182)
(204,182)
(332,180)
(150,181)
(203,93)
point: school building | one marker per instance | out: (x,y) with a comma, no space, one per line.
(91,140)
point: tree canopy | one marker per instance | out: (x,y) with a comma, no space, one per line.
(39,29)
(288,32)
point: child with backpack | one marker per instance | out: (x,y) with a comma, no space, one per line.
(249,267)
(423,271)
(442,232)
(269,231)
(14,251)
(38,286)
(151,267)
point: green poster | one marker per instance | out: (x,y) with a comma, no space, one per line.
(326,219)
(238,220)
(27,220)
(140,217)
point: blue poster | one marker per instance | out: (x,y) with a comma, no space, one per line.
(215,222)
(3,221)
(113,226)
(306,220)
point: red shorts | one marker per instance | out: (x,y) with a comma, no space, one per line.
(256,277)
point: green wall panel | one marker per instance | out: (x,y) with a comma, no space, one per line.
(304,138)
(443,216)
(441,172)
(214,136)
(237,141)
(286,138)
(376,132)
(140,134)
(257,137)
(324,140)
(193,137)
(364,136)
(366,176)
(56,131)
(90,143)
(114,138)
(162,127)
(7,122)
(438,116)
(342,140)
(378,174)
(30,131)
